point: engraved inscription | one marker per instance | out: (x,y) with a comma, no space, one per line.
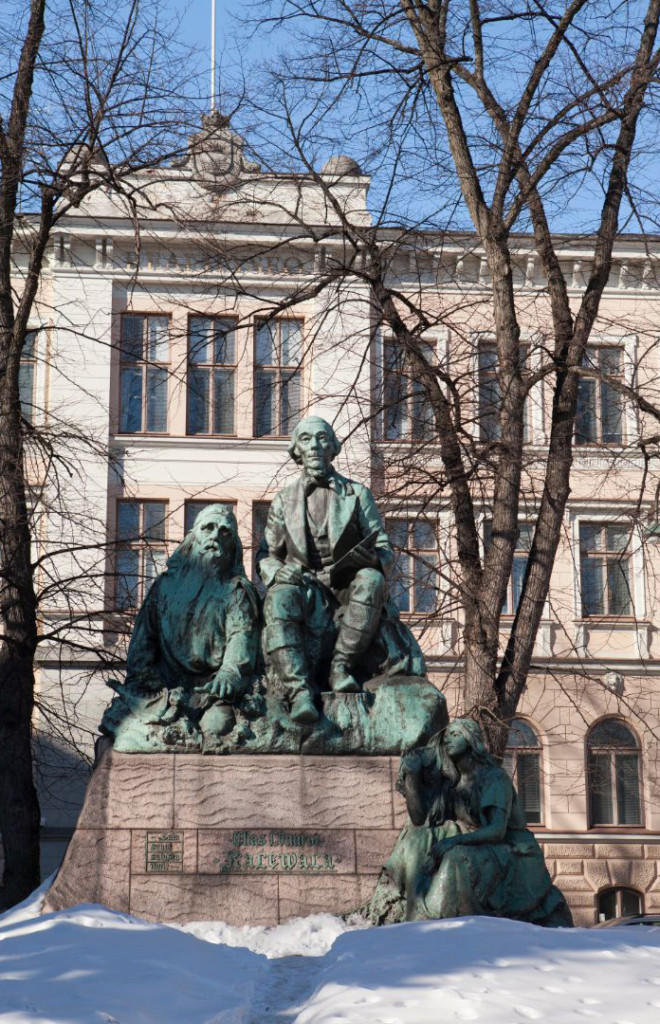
(164,852)
(277,850)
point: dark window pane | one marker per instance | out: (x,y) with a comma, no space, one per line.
(517,578)
(397,531)
(223,400)
(593,571)
(259,520)
(611,360)
(627,789)
(156,399)
(424,535)
(631,903)
(607,905)
(127,579)
(426,579)
(619,588)
(291,334)
(423,425)
(612,733)
(155,513)
(128,520)
(529,787)
(599,777)
(291,403)
(26,390)
(591,537)
(525,539)
(618,538)
(612,414)
(394,406)
(265,403)
(198,401)
(586,429)
(30,345)
(225,346)
(199,338)
(155,561)
(131,349)
(521,734)
(131,400)
(265,349)
(400,582)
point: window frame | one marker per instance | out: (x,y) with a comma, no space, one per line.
(608,556)
(599,347)
(487,523)
(512,753)
(265,504)
(614,826)
(295,370)
(409,552)
(141,544)
(30,361)
(531,427)
(210,369)
(618,890)
(407,433)
(144,364)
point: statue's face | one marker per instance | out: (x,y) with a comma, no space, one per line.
(455,742)
(214,539)
(315,446)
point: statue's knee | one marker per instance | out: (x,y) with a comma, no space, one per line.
(369,583)
(284,601)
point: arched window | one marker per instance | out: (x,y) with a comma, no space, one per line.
(619,903)
(613,774)
(522,760)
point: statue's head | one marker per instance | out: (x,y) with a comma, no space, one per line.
(213,544)
(314,445)
(461,736)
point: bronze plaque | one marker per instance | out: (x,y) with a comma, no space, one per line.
(286,851)
(164,852)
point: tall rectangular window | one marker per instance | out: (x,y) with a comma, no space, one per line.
(144,357)
(414,578)
(605,569)
(278,386)
(407,413)
(490,398)
(141,553)
(518,567)
(599,418)
(27,376)
(211,374)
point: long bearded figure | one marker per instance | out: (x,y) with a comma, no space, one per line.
(197,632)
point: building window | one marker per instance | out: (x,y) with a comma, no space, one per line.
(193,508)
(144,356)
(27,376)
(490,396)
(599,417)
(413,582)
(619,903)
(407,413)
(522,761)
(518,567)
(278,387)
(605,559)
(260,511)
(211,372)
(613,775)
(141,553)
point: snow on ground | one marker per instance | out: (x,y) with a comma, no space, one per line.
(93,966)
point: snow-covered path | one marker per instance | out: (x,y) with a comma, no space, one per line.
(92,966)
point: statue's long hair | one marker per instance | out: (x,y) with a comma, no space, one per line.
(184,554)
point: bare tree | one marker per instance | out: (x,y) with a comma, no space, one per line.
(88,94)
(493,117)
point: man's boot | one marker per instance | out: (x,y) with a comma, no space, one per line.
(290,667)
(356,632)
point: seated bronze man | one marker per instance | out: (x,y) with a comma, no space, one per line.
(197,632)
(324,563)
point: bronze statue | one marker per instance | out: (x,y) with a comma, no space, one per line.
(196,637)
(324,565)
(467,849)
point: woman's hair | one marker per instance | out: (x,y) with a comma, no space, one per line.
(471,732)
(185,550)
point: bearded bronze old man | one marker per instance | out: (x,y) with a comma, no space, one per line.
(324,563)
(196,637)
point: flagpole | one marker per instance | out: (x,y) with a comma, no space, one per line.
(213,2)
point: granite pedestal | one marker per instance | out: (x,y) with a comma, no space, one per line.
(247,839)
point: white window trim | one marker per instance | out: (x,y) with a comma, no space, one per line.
(437,337)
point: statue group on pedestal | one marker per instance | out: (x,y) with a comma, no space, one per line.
(342,674)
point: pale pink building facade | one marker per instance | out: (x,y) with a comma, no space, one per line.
(161,357)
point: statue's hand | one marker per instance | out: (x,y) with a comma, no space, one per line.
(443,847)
(222,686)
(361,558)
(290,574)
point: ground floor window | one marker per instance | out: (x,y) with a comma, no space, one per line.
(619,903)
